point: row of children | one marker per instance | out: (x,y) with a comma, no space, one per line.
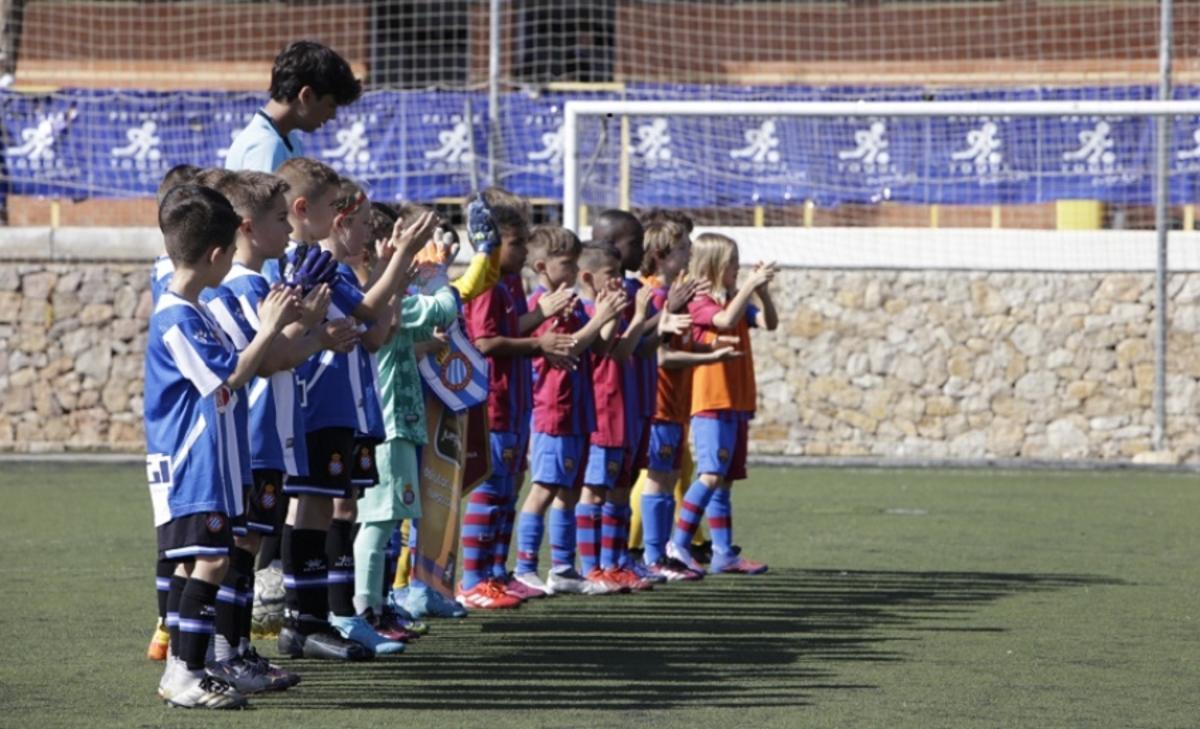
(279,394)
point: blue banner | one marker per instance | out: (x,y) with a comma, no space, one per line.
(424,145)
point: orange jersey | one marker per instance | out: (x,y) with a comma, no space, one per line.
(673,387)
(727,385)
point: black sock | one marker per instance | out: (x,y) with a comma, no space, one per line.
(309,578)
(174,595)
(162,584)
(287,549)
(243,562)
(339,551)
(197,609)
(270,550)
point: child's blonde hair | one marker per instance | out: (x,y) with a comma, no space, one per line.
(548,240)
(711,254)
(661,238)
(307,177)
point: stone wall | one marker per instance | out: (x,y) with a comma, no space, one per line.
(884,363)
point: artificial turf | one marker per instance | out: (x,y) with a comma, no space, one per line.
(924,599)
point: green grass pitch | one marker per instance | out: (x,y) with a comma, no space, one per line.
(895,599)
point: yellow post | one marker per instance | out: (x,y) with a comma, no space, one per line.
(623,184)
(583,216)
(995,216)
(934,211)
(1189,217)
(760,216)
(1079,214)
(809,209)
(55,213)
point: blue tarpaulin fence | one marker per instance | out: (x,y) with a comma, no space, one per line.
(425,145)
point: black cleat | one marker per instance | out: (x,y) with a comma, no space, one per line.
(291,642)
(330,646)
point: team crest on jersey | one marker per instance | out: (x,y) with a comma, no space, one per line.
(569,464)
(364,459)
(223,395)
(409,497)
(268,496)
(214,522)
(336,467)
(723,455)
(665,451)
(508,455)
(614,467)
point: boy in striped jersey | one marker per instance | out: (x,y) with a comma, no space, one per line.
(191,439)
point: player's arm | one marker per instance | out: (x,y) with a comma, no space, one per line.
(728,317)
(630,339)
(766,318)
(399,253)
(599,334)
(548,305)
(278,309)
(675,359)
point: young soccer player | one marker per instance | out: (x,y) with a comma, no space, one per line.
(563,408)
(723,398)
(397,497)
(275,445)
(331,409)
(195,480)
(668,249)
(308,84)
(498,323)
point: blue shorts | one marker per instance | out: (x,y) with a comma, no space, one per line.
(666,447)
(604,466)
(508,452)
(557,460)
(719,444)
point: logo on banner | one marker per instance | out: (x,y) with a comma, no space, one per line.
(143,145)
(36,151)
(456,370)
(982,156)
(761,145)
(448,441)
(1096,155)
(549,159)
(352,153)
(870,153)
(455,150)
(1184,155)
(653,147)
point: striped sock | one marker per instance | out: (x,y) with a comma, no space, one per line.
(720,521)
(626,516)
(339,555)
(479,535)
(174,595)
(610,531)
(654,536)
(587,535)
(530,529)
(562,539)
(196,612)
(162,584)
(690,513)
(505,520)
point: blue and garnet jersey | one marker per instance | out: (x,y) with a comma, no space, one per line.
(192,459)
(645,367)
(497,313)
(614,384)
(563,403)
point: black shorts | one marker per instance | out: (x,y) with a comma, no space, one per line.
(266,506)
(330,463)
(365,474)
(204,534)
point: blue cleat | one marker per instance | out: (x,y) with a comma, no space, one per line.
(360,631)
(421,602)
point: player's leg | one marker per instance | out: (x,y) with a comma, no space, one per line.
(726,557)
(713,440)
(159,646)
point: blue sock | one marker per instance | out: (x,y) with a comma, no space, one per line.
(562,539)
(505,519)
(694,502)
(610,535)
(479,534)
(654,537)
(623,558)
(720,522)
(587,536)
(530,528)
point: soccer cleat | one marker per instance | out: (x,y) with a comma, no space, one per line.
(356,628)
(242,675)
(568,582)
(627,579)
(674,571)
(525,588)
(602,583)
(204,692)
(684,557)
(167,682)
(326,645)
(388,625)
(488,595)
(390,617)
(281,678)
(160,643)
(735,565)
(639,569)
(422,601)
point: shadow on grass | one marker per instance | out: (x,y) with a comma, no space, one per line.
(774,640)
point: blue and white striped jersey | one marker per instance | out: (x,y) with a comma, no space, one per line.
(192,460)
(160,277)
